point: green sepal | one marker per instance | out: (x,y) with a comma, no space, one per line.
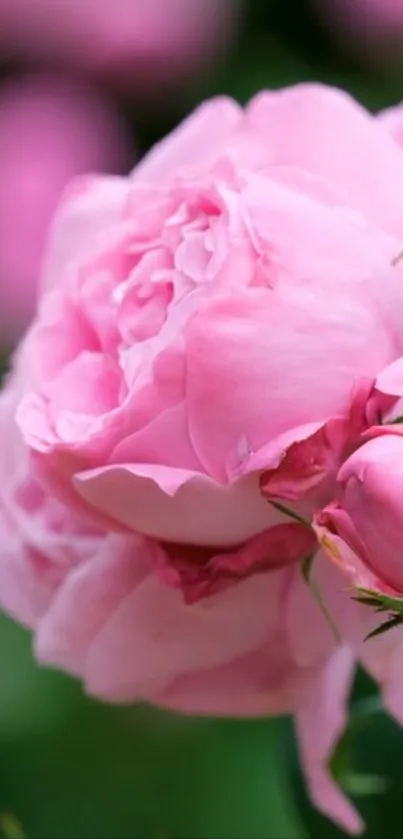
(395,620)
(381,603)
(282,508)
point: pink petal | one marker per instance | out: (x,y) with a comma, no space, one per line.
(262,682)
(360,158)
(89,210)
(382,657)
(306,462)
(390,379)
(155,636)
(177,505)
(123,630)
(250,377)
(313,640)
(319,724)
(199,139)
(87,600)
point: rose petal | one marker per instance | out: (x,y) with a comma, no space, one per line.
(319,724)
(177,505)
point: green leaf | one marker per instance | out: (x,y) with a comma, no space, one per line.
(10,827)
(359,785)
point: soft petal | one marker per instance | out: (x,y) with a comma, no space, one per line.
(391,120)
(306,463)
(177,505)
(249,372)
(319,725)
(364,161)
(265,681)
(198,139)
(136,631)
(89,209)
(88,599)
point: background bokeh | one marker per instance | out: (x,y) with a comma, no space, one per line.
(89,85)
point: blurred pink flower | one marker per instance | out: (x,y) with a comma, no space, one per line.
(143,44)
(50,131)
(210,338)
(368,26)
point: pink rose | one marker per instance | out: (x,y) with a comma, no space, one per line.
(210,338)
(144,46)
(50,131)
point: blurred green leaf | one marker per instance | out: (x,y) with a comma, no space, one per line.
(10,827)
(89,770)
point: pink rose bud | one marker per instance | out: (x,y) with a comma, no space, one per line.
(144,45)
(50,131)
(368,516)
(214,333)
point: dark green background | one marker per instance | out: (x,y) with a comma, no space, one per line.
(71,767)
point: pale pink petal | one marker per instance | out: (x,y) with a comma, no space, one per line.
(363,161)
(391,120)
(86,215)
(382,657)
(390,379)
(264,681)
(249,372)
(319,724)
(88,599)
(336,619)
(199,139)
(154,635)
(128,630)
(24,592)
(177,505)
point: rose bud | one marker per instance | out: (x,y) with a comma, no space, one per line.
(368,516)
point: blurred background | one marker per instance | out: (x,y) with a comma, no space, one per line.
(89,85)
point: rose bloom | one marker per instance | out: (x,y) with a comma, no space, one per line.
(210,339)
